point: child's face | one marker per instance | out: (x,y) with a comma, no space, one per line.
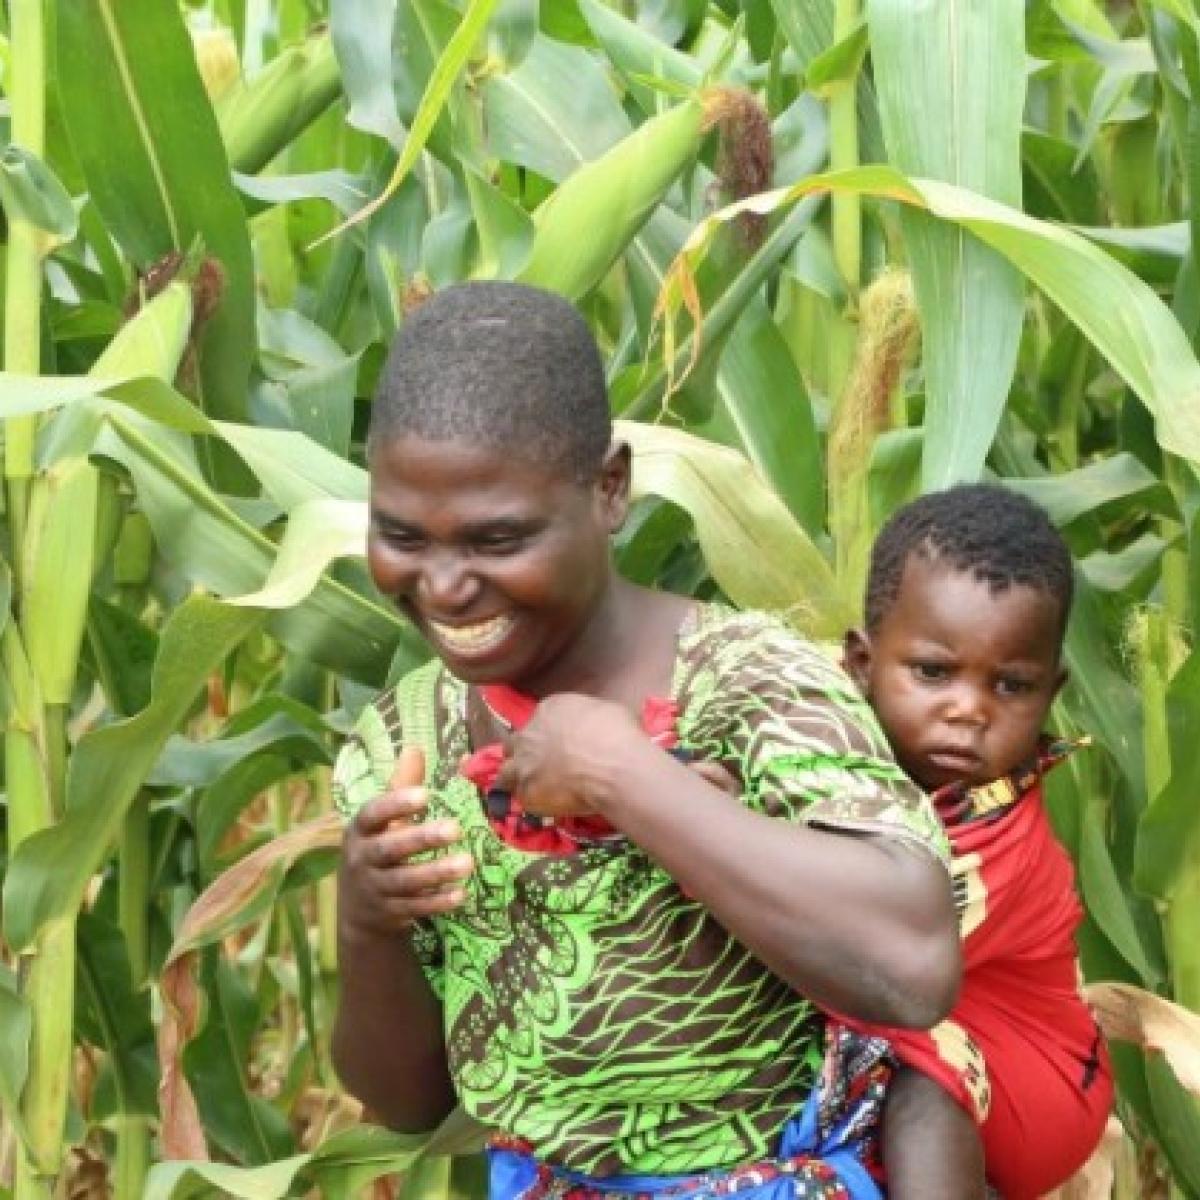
(499,563)
(961,677)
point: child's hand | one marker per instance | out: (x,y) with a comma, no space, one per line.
(381,890)
(560,761)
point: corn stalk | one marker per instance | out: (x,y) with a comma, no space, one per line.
(41,659)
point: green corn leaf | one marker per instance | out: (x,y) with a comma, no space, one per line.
(556,111)
(755,549)
(365,57)
(47,876)
(210,545)
(838,66)
(1122,317)
(1168,840)
(21,395)
(157,171)
(318,532)
(437,92)
(949,77)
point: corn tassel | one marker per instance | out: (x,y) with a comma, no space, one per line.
(260,117)
(217,59)
(584,226)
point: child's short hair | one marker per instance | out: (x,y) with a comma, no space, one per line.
(1000,536)
(499,365)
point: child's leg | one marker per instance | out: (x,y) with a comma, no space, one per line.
(931,1147)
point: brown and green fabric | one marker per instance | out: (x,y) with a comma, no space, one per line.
(593,1010)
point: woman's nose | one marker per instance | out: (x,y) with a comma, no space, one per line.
(446,583)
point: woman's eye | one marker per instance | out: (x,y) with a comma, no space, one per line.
(501,543)
(400,539)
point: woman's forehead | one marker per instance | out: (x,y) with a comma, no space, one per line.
(419,460)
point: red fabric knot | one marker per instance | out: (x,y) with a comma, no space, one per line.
(529,831)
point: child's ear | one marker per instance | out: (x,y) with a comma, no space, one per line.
(856,657)
(1060,680)
(613,485)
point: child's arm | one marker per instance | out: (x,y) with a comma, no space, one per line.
(388,1043)
(931,1146)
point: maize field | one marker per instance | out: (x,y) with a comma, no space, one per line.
(835,253)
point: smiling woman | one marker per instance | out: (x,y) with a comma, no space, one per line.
(492,557)
(588,943)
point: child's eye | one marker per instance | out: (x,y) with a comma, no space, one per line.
(930,672)
(1010,685)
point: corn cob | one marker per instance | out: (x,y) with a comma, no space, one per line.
(57,553)
(260,116)
(585,225)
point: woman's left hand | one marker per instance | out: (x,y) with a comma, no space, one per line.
(561,763)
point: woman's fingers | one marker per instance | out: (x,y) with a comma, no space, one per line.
(402,805)
(399,843)
(417,879)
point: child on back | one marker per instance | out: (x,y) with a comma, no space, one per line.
(967,602)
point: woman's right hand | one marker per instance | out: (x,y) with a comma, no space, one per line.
(381,890)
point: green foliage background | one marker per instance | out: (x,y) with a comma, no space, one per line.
(978,258)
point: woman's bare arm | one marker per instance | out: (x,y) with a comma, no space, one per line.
(860,925)
(388,1041)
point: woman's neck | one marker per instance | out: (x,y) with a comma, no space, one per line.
(625,653)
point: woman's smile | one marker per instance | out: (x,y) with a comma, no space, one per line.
(474,640)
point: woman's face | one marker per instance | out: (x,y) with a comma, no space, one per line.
(499,562)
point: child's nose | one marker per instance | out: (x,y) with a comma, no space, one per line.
(967,705)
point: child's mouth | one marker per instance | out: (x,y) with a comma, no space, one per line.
(959,762)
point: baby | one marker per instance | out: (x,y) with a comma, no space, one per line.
(966,607)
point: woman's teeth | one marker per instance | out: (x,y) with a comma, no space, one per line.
(473,639)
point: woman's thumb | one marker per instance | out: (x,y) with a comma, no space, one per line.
(409,770)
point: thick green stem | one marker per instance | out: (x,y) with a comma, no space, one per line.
(133,899)
(1175,571)
(133,1156)
(289,1025)
(843,154)
(26,772)
(49,987)
(23,283)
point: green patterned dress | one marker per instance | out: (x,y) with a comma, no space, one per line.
(593,1010)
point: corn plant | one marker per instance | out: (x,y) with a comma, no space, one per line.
(973,253)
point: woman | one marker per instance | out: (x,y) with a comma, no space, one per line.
(555,919)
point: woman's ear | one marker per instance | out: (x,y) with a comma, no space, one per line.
(613,485)
(856,657)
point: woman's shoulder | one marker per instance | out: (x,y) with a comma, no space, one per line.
(733,643)
(404,713)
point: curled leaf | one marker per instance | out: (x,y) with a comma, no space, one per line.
(239,896)
(1128,1014)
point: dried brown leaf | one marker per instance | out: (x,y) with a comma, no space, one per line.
(216,913)
(1129,1014)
